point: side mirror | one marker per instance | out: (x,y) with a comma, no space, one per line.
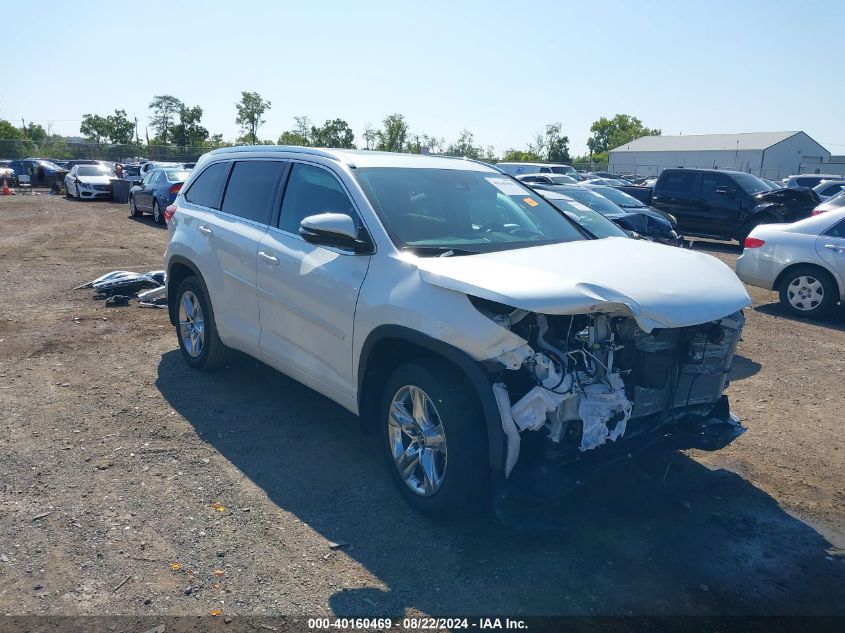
(728,192)
(334,229)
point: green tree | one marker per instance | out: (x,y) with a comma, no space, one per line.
(188,132)
(336,133)
(557,145)
(13,142)
(95,128)
(610,133)
(120,129)
(521,156)
(35,132)
(370,136)
(300,135)
(392,137)
(165,109)
(250,109)
(464,146)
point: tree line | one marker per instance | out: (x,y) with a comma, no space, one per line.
(177,127)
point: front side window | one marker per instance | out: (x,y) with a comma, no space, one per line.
(473,211)
(205,190)
(252,188)
(709,183)
(310,191)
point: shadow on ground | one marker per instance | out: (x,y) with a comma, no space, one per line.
(660,536)
(743,367)
(836,321)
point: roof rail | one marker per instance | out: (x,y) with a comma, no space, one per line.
(296,149)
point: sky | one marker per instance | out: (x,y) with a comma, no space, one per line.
(501,70)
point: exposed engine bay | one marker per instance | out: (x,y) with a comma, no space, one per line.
(582,381)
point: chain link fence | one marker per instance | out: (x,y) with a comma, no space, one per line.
(12,149)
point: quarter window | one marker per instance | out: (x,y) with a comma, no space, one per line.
(312,190)
(205,190)
(251,189)
(837,230)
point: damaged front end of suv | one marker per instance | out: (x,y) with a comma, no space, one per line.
(604,359)
(582,381)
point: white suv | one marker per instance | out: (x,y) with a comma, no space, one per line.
(453,309)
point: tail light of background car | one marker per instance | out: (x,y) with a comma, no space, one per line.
(750,242)
(169,212)
(175,188)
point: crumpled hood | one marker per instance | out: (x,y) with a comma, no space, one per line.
(660,286)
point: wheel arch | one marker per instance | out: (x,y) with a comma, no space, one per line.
(388,346)
(178,269)
(784,274)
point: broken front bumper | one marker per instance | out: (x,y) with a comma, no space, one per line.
(546,478)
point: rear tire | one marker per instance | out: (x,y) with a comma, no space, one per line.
(157,215)
(134,211)
(809,292)
(196,329)
(433,430)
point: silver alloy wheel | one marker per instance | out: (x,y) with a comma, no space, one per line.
(417,440)
(156,212)
(805,293)
(191,324)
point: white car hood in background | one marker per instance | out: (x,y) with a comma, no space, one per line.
(660,286)
(94,180)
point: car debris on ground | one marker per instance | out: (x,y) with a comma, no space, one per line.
(119,287)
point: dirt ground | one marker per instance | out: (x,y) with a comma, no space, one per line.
(130,484)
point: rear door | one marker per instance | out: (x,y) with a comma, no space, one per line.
(677,193)
(831,248)
(308,293)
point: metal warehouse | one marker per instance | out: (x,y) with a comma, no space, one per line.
(766,154)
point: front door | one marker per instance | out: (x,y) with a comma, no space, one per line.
(722,200)
(308,293)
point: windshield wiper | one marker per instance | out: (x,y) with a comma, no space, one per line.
(439,251)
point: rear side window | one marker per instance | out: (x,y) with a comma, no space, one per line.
(679,181)
(251,189)
(205,190)
(312,190)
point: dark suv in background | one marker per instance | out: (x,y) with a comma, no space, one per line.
(726,204)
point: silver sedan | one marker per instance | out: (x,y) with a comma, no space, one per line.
(803,261)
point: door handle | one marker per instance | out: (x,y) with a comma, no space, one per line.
(835,248)
(205,230)
(269,258)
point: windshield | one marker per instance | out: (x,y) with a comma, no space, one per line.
(563,169)
(619,197)
(471,211)
(177,175)
(591,220)
(594,200)
(750,184)
(92,170)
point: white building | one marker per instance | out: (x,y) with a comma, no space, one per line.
(768,154)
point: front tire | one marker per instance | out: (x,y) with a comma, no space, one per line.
(809,292)
(746,229)
(196,329)
(435,440)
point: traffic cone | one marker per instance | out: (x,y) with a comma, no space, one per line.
(6,190)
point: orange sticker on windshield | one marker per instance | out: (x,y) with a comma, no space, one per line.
(530,202)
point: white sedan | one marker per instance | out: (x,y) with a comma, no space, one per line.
(87,182)
(803,261)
